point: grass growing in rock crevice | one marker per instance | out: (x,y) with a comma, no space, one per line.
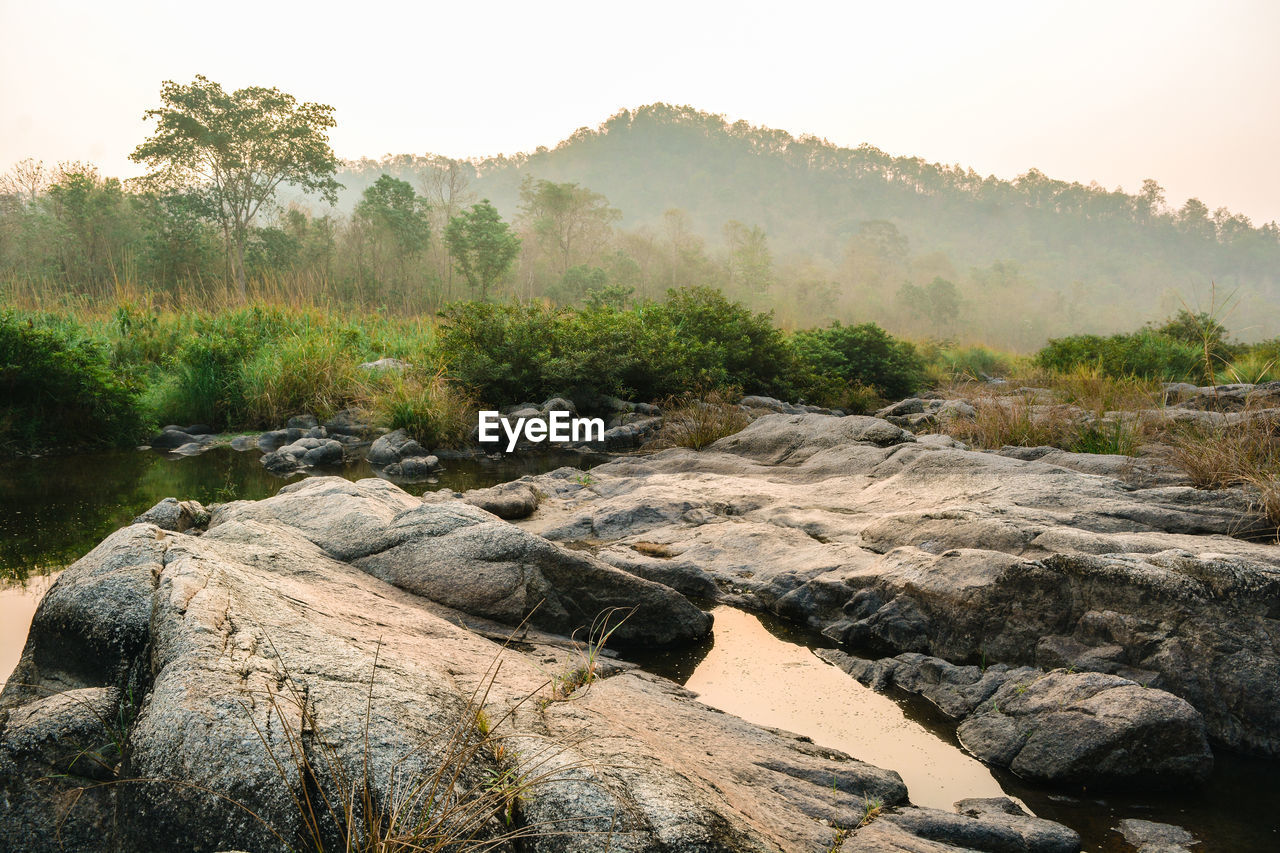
(698,419)
(1246,453)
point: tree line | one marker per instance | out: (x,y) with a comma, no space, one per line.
(242,188)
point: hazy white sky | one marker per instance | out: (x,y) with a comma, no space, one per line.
(1185,92)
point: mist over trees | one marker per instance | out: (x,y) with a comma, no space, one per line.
(855,233)
(664,197)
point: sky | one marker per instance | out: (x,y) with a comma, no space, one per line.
(1187,93)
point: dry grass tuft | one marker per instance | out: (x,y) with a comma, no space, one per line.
(1245,454)
(698,419)
(1084,412)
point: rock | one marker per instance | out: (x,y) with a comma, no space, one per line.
(349,422)
(1090,729)
(302,422)
(770,403)
(1040,835)
(224,639)
(304,453)
(1139,473)
(66,739)
(559,404)
(1150,837)
(172,514)
(393,447)
(628,436)
(1079,728)
(245,442)
(997,825)
(468,559)
(419,467)
(1176,392)
(273,440)
(777,439)
(508,501)
(852,527)
(393,364)
(957,691)
(171,438)
(951,409)
(199,429)
(912,406)
(328,453)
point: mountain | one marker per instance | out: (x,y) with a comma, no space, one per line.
(1070,257)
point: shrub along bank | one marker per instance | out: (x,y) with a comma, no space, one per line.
(111,376)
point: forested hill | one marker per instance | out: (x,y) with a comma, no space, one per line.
(858,224)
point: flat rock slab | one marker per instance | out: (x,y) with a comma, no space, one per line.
(891,544)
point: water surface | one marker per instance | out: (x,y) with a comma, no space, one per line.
(765,671)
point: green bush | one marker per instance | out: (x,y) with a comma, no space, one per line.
(60,392)
(862,355)
(946,363)
(695,339)
(1146,354)
(1202,331)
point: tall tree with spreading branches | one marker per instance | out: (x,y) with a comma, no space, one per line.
(237,149)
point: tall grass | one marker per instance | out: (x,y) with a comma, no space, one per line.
(432,409)
(300,373)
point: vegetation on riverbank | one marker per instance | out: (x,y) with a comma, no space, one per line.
(111,371)
(252,367)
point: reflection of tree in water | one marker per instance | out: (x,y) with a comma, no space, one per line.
(53,510)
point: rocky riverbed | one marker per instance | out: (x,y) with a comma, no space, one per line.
(363,628)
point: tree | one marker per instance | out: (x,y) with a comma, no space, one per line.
(571,222)
(96,226)
(239,148)
(446,184)
(482,246)
(25,181)
(396,220)
(938,301)
(750,265)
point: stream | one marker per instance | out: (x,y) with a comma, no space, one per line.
(53,510)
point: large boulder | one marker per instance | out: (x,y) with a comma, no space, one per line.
(1090,729)
(393,447)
